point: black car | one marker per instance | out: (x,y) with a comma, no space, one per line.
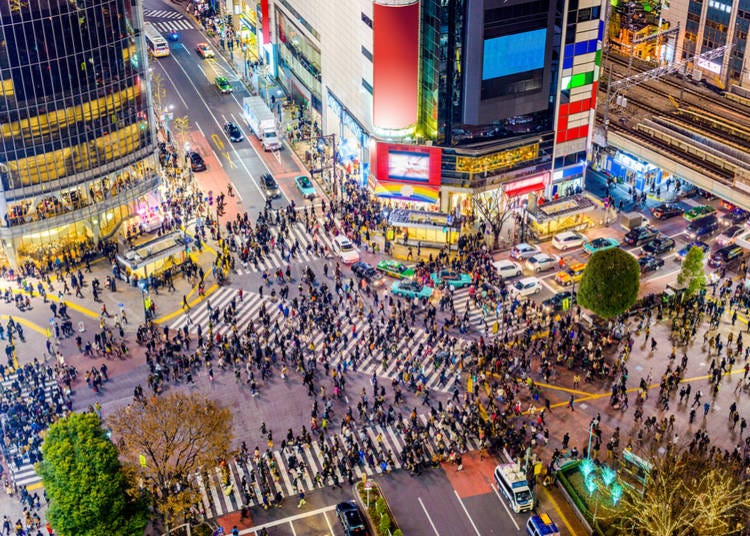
(639,235)
(702,228)
(666,211)
(196,161)
(556,302)
(649,263)
(726,256)
(368,273)
(269,185)
(659,246)
(351,518)
(233,131)
(734,217)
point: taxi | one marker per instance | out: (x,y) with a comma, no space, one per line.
(571,274)
(450,278)
(395,269)
(541,525)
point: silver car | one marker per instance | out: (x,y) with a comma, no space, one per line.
(541,262)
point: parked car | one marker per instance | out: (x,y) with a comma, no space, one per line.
(702,228)
(525,287)
(666,211)
(411,289)
(196,161)
(223,85)
(659,246)
(450,278)
(204,50)
(557,301)
(351,519)
(507,269)
(640,235)
(700,211)
(524,251)
(567,240)
(305,186)
(600,244)
(726,256)
(541,262)
(233,132)
(368,273)
(345,250)
(269,185)
(571,274)
(694,244)
(729,235)
(734,217)
(395,269)
(649,263)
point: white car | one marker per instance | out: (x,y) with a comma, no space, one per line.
(541,262)
(345,250)
(568,240)
(525,287)
(507,269)
(729,236)
(524,251)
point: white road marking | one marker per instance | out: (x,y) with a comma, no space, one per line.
(467,514)
(201,130)
(291,525)
(434,528)
(217,158)
(510,515)
(325,516)
(290,519)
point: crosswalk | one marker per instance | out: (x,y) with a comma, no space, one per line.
(398,358)
(296,468)
(275,260)
(479,316)
(172,25)
(161,14)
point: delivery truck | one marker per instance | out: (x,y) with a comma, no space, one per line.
(262,122)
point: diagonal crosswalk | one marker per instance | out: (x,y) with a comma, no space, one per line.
(303,466)
(161,14)
(397,358)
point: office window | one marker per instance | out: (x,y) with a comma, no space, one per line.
(367,20)
(366,53)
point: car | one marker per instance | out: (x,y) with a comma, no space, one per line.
(659,246)
(233,132)
(525,287)
(726,256)
(571,274)
(411,289)
(450,278)
(567,240)
(734,217)
(368,273)
(196,161)
(649,263)
(507,269)
(702,228)
(351,519)
(395,269)
(666,211)
(700,211)
(305,186)
(204,50)
(270,187)
(695,244)
(600,244)
(557,301)
(640,235)
(541,262)
(729,236)
(223,85)
(345,250)
(524,251)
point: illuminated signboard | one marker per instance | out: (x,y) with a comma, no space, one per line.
(499,160)
(407,172)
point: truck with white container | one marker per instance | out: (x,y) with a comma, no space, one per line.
(262,122)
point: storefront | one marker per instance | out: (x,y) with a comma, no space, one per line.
(422,227)
(566,182)
(633,171)
(352,138)
(571,213)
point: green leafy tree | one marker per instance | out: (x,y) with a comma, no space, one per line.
(610,283)
(692,276)
(85,483)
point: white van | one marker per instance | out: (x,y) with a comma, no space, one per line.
(512,484)
(345,250)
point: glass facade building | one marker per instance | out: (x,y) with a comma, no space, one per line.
(76,126)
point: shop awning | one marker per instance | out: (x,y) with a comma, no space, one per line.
(515,189)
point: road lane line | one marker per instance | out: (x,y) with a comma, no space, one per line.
(200,129)
(325,516)
(217,158)
(467,514)
(499,498)
(290,519)
(434,528)
(291,525)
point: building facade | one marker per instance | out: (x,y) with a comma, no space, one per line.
(436,101)
(76,127)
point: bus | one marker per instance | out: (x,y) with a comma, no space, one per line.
(157,45)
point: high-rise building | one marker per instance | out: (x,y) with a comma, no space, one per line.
(436,100)
(78,146)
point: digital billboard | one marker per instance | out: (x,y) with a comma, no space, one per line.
(513,54)
(406,172)
(407,165)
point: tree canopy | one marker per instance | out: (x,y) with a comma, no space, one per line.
(84,481)
(692,276)
(167,440)
(610,283)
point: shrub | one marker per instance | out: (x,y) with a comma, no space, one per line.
(380,505)
(385,524)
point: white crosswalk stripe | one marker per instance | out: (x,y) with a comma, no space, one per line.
(478,315)
(173,25)
(295,469)
(161,14)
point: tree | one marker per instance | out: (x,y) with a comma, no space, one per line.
(492,207)
(692,276)
(181,126)
(167,441)
(686,493)
(85,482)
(610,283)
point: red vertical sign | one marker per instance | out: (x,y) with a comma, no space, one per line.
(266,21)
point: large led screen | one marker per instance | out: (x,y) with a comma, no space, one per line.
(403,165)
(513,54)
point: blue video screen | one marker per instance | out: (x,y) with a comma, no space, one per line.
(513,54)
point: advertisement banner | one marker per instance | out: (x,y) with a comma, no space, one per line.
(407,172)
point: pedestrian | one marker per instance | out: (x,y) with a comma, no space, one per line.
(302,500)
(571,402)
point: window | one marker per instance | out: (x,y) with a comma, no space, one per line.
(366,53)
(367,20)
(367,86)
